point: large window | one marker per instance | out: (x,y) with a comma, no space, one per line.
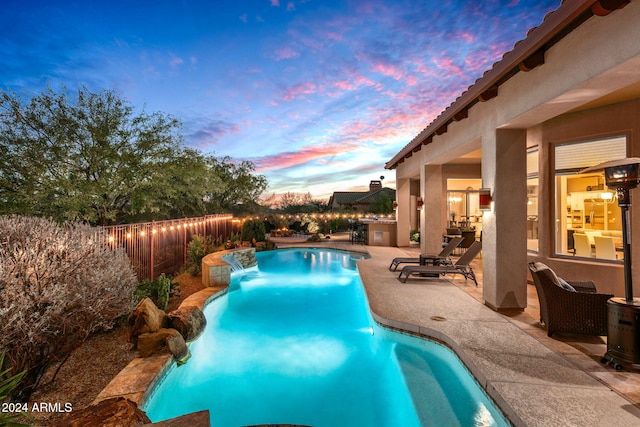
(587,214)
(463,207)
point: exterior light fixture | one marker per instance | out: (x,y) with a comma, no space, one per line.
(485,199)
(420,203)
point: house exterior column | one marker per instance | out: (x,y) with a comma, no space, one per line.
(504,249)
(403,214)
(432,215)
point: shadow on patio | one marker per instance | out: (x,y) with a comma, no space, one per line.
(626,382)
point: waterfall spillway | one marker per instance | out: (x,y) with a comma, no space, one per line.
(236,266)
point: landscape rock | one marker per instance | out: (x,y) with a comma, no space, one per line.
(178,348)
(165,339)
(146,318)
(189,321)
(116,411)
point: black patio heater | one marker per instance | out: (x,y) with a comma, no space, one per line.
(623,339)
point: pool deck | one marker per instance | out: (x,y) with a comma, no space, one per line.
(536,380)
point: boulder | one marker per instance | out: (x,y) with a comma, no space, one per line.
(178,347)
(189,321)
(165,339)
(116,411)
(146,318)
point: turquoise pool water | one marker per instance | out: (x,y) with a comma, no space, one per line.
(293,342)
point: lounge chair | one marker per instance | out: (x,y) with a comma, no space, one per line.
(462,266)
(567,306)
(433,259)
(468,237)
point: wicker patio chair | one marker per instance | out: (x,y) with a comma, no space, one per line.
(578,311)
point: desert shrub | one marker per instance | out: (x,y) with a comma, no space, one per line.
(253,229)
(159,290)
(196,250)
(58,285)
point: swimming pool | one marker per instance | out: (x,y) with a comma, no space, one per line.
(293,342)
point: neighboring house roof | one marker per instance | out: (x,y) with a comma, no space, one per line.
(525,56)
(375,195)
(347,197)
(360,197)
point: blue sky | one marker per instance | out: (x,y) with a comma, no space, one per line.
(317,94)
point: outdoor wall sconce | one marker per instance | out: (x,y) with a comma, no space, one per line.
(420,203)
(395,205)
(485,199)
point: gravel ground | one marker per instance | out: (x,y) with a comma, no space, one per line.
(92,366)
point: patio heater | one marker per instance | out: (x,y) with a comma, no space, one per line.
(623,314)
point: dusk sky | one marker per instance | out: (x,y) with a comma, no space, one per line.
(317,94)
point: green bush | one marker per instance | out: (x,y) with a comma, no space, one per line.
(164,291)
(159,290)
(253,229)
(7,385)
(196,250)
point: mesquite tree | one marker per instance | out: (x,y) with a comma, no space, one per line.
(58,285)
(93,158)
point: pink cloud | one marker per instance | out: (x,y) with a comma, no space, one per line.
(396,95)
(447,65)
(300,89)
(345,85)
(175,61)
(388,70)
(334,36)
(365,81)
(275,3)
(412,80)
(294,158)
(468,37)
(286,53)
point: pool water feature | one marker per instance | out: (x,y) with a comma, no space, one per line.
(293,342)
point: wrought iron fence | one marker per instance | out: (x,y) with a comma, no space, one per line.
(161,246)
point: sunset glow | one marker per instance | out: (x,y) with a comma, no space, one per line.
(318,94)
